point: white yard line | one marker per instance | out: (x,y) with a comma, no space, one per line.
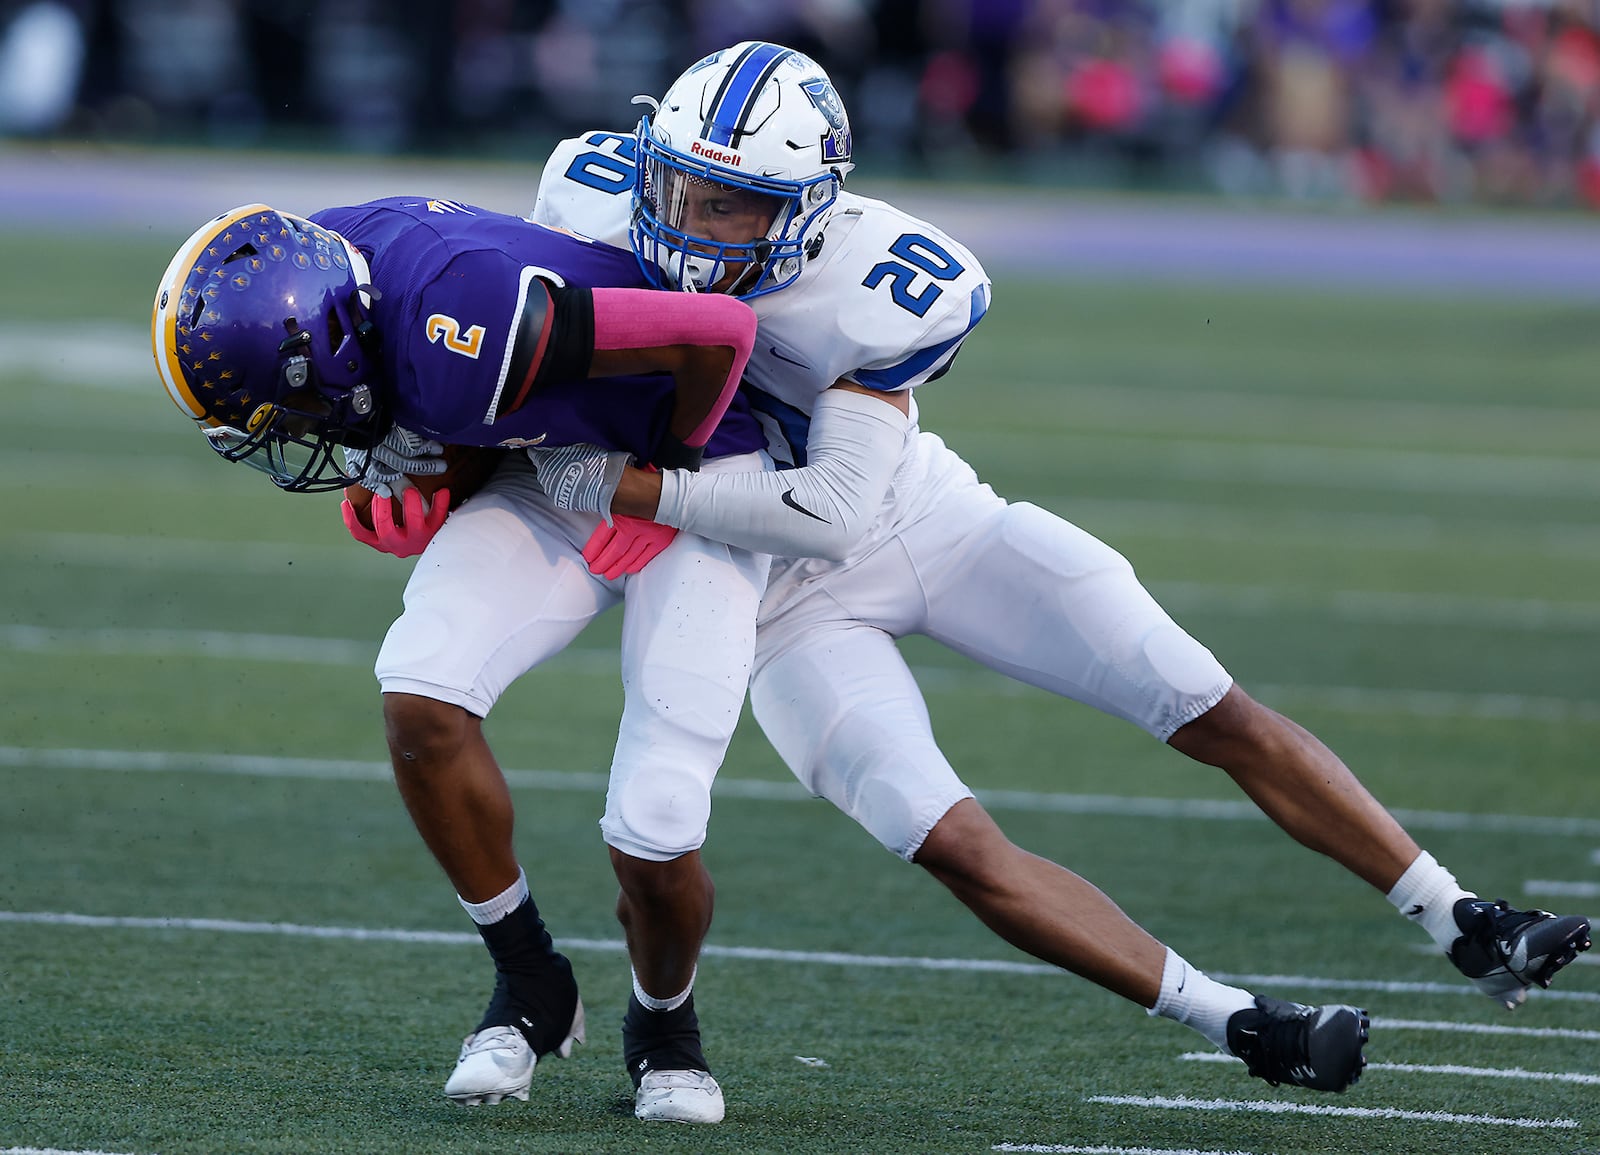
(219,644)
(1274,1107)
(1072,1149)
(335,769)
(1572,1033)
(1546,886)
(1313,529)
(1382,607)
(714,950)
(1348,468)
(1367,607)
(1435,1069)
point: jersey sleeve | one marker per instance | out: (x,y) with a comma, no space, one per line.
(918,296)
(587,187)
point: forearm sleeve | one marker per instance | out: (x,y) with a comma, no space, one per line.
(649,318)
(819,510)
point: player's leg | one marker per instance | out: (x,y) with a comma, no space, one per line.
(1030,595)
(688,636)
(839,705)
(501,588)
(1310,793)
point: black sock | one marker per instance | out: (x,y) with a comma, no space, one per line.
(534,990)
(661,1040)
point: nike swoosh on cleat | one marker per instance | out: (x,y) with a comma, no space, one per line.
(788,499)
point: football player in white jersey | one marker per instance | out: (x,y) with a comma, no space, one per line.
(733,184)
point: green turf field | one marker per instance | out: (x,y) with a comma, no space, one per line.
(1383,515)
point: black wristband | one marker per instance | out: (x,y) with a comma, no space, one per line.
(670,453)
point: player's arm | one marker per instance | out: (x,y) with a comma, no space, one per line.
(819,510)
(918,310)
(703,341)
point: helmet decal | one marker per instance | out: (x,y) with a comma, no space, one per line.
(836,144)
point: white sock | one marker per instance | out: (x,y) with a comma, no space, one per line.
(1191,997)
(651,1003)
(502,904)
(1427,894)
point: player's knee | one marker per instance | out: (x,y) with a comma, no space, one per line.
(661,882)
(897,789)
(658,813)
(423,731)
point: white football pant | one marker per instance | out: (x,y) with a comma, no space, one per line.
(1011,586)
(504,586)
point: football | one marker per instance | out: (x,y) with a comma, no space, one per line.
(467,468)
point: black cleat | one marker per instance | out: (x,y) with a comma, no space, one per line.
(1314,1047)
(1505,951)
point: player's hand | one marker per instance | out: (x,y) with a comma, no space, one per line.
(580,478)
(626,545)
(399,453)
(420,520)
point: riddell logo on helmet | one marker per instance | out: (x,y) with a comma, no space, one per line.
(716,154)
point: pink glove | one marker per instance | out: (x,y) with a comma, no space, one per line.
(419,522)
(625,546)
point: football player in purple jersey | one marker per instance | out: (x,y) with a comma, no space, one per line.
(347,348)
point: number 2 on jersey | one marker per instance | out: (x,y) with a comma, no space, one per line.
(467,344)
(916,252)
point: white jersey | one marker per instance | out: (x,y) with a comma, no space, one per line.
(885,305)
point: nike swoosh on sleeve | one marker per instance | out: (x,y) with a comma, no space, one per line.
(788,499)
(791,360)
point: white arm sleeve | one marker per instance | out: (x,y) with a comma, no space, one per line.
(819,510)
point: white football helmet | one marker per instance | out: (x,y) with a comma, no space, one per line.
(750,132)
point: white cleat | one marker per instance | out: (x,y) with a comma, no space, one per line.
(678,1097)
(497,1063)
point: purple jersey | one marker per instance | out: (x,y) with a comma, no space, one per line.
(452,281)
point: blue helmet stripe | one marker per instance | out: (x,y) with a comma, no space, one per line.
(732,105)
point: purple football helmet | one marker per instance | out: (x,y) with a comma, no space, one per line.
(260,333)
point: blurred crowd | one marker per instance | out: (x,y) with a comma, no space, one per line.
(1419,100)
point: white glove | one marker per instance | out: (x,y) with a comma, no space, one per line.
(382,469)
(581,478)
